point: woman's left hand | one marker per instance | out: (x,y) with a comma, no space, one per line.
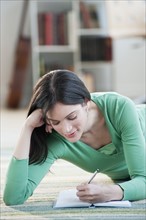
(93,193)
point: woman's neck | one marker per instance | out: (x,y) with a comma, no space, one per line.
(96,134)
(95,117)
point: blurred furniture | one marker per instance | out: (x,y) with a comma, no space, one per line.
(103,45)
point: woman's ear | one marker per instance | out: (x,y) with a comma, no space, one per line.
(86,104)
(86,101)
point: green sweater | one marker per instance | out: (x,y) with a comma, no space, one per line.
(123,160)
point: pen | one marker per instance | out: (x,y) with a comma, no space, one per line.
(93,176)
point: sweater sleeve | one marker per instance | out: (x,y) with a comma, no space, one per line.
(135,152)
(22,178)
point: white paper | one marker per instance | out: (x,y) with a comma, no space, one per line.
(68,199)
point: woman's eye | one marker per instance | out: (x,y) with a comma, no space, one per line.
(72,117)
(55,123)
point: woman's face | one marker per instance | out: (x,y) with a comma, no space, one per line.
(70,121)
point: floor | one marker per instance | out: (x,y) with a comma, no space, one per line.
(10,124)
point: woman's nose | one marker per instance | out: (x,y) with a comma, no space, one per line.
(67,127)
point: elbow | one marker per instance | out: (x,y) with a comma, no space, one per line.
(11,200)
(12,196)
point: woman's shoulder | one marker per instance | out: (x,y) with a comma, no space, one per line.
(115,106)
(107,95)
(112,99)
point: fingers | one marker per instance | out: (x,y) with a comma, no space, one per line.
(83,191)
(48,128)
(87,193)
(83,186)
(86,196)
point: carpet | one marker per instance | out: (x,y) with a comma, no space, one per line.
(63,176)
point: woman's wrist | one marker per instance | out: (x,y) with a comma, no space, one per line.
(23,145)
(27,126)
(114,192)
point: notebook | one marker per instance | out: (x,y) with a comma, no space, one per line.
(68,199)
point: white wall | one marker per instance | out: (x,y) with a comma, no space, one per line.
(10,12)
(10,16)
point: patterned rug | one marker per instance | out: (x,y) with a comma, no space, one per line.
(64,176)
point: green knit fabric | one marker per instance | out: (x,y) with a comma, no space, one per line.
(125,158)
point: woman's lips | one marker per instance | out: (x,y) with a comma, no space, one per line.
(71,135)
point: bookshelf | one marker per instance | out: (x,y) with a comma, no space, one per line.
(93,39)
(53,43)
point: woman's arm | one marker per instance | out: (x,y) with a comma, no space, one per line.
(134,148)
(23,144)
(23,178)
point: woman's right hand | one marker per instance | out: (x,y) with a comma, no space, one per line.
(35,119)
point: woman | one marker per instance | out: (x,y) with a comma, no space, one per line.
(99,130)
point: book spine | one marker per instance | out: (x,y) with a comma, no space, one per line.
(108,49)
(41,28)
(96,48)
(49,28)
(62,28)
(85,15)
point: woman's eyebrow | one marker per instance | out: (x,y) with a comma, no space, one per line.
(71,113)
(49,119)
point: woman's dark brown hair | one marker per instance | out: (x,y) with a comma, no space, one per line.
(56,86)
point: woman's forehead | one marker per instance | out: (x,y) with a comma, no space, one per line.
(61,111)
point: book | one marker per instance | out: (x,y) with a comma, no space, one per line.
(49,35)
(88,15)
(96,48)
(53,28)
(62,28)
(68,199)
(85,16)
(41,28)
